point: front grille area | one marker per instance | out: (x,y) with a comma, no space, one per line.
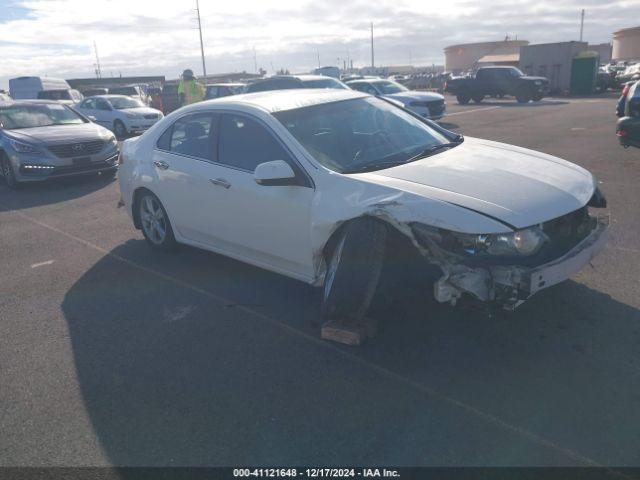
(79,149)
(436,107)
(83,168)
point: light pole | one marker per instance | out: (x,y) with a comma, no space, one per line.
(204,67)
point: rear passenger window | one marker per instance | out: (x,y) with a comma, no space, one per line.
(244,143)
(190,135)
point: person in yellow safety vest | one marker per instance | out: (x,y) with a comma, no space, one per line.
(189,90)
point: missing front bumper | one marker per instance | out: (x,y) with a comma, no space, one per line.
(510,286)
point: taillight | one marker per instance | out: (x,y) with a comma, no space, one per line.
(120,158)
(445,85)
(625,90)
(621,133)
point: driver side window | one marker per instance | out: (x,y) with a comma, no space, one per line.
(102,104)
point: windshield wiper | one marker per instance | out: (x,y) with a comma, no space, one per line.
(375,166)
(434,149)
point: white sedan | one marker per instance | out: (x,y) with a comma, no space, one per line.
(323,185)
(120,113)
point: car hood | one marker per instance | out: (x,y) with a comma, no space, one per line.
(140,111)
(61,134)
(415,96)
(516,186)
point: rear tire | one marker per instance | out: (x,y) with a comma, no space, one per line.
(154,222)
(7,173)
(353,270)
(463,98)
(523,96)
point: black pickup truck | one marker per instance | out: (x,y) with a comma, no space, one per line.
(496,82)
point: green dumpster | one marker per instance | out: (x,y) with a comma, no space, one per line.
(584,72)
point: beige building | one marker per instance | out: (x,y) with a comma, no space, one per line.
(626,44)
(468,56)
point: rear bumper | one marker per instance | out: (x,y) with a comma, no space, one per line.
(628,131)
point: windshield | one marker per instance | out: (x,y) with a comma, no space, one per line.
(236,89)
(362,134)
(324,83)
(516,72)
(388,87)
(125,102)
(28,116)
(54,95)
(124,91)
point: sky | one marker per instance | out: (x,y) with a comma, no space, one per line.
(160,37)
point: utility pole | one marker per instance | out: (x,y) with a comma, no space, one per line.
(318,52)
(98,68)
(581,24)
(372,58)
(204,67)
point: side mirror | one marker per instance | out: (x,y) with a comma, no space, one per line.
(275,173)
(92,118)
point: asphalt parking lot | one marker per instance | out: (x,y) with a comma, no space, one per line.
(113,354)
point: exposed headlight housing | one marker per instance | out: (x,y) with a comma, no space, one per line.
(520,243)
(131,115)
(23,147)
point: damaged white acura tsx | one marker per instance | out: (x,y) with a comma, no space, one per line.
(322,186)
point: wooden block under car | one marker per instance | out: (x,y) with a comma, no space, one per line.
(348,334)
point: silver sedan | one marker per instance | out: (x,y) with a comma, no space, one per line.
(44,139)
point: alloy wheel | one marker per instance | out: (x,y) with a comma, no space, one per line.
(153,219)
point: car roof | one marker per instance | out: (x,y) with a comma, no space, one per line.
(280,100)
(37,101)
(314,77)
(227,84)
(109,95)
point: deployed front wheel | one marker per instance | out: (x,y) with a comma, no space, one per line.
(155,223)
(353,269)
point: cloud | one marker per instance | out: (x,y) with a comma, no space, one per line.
(55,37)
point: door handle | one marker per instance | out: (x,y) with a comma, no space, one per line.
(221,182)
(161,165)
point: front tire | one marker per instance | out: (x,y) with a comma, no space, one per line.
(155,223)
(478,98)
(353,270)
(523,96)
(463,98)
(537,97)
(8,173)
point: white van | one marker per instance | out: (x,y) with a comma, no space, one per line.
(45,88)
